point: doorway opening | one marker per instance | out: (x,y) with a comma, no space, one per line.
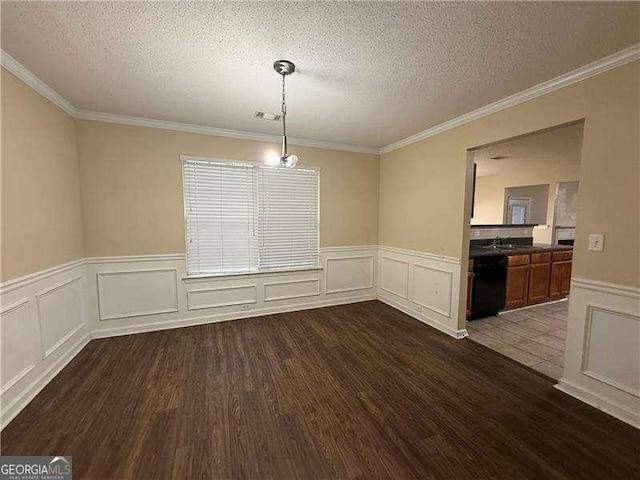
(525,207)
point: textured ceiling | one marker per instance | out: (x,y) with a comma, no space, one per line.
(368,73)
(559,146)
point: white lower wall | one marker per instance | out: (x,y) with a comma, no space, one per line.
(145,293)
(602,358)
(46,317)
(425,286)
(43,325)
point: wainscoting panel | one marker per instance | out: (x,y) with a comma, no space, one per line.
(612,348)
(46,316)
(198,299)
(349,274)
(146,293)
(394,277)
(291,289)
(602,359)
(60,311)
(43,325)
(423,286)
(21,350)
(133,293)
(432,289)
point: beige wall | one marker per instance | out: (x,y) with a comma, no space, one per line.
(422,186)
(132,187)
(539,195)
(41,218)
(490,195)
(132,194)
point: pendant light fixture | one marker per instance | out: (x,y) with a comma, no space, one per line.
(284,68)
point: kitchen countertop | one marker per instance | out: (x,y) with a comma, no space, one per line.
(505,225)
(475,251)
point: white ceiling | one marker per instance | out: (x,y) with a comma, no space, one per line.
(559,146)
(368,73)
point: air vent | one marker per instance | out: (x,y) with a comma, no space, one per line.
(499,157)
(268,116)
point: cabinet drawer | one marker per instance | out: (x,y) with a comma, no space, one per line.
(515,260)
(541,257)
(562,256)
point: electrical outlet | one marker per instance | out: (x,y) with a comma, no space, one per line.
(245,307)
(418,308)
(596,242)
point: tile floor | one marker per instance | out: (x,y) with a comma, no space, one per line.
(534,336)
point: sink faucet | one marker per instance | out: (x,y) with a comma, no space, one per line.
(496,241)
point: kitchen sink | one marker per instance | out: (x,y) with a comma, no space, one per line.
(507,247)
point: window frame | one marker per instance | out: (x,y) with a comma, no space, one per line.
(259,271)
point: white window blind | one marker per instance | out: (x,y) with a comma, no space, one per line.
(287,217)
(220,217)
(246,218)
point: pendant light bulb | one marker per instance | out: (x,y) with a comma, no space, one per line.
(288,161)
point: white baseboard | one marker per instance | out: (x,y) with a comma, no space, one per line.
(30,391)
(424,286)
(455,333)
(205,319)
(603,404)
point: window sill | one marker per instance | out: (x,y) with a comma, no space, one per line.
(259,273)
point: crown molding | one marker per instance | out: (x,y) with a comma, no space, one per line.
(220,132)
(20,71)
(599,66)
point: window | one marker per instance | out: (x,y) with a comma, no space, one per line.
(518,210)
(248,218)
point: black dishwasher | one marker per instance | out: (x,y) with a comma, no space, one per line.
(489,285)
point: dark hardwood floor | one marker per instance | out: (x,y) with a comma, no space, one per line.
(358,391)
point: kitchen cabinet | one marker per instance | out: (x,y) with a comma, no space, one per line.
(517,286)
(539,276)
(532,278)
(469,286)
(560,282)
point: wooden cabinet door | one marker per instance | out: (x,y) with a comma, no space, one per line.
(565,282)
(555,284)
(517,286)
(539,276)
(560,279)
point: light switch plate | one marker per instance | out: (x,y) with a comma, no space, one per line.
(596,242)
